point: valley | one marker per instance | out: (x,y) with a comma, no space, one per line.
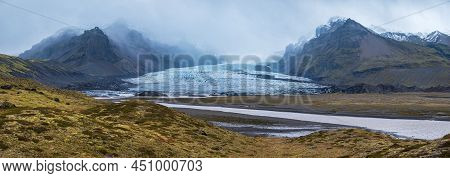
(41,121)
(113,92)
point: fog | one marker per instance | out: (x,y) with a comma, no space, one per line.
(225,27)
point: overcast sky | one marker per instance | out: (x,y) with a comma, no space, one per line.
(259,27)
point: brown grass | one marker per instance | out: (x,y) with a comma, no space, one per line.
(78,126)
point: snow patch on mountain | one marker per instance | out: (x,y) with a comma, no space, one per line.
(438,37)
(332,24)
(418,38)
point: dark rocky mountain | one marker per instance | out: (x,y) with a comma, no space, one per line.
(90,53)
(94,54)
(346,53)
(112,53)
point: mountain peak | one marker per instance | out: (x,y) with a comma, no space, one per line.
(95,36)
(349,20)
(436,33)
(337,19)
(347,53)
(95,30)
(351,24)
(336,23)
(332,24)
(438,37)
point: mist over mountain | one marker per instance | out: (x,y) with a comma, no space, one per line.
(132,43)
(112,52)
(43,49)
(345,53)
(90,53)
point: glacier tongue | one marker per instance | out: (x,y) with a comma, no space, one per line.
(220,79)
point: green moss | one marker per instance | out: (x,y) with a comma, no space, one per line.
(47,137)
(39,129)
(63,123)
(413,147)
(446,144)
(24,122)
(445,154)
(3,146)
(147,152)
(10,65)
(23,138)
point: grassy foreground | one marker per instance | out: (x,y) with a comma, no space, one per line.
(38,121)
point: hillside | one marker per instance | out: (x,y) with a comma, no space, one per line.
(39,121)
(41,71)
(345,53)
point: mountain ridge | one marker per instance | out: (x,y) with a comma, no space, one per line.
(112,52)
(353,54)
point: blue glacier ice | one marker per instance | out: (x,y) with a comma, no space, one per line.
(222,79)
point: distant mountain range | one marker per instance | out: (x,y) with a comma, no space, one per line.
(107,53)
(434,37)
(345,53)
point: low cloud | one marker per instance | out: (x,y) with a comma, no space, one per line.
(226,27)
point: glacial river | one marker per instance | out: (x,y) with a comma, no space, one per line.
(419,129)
